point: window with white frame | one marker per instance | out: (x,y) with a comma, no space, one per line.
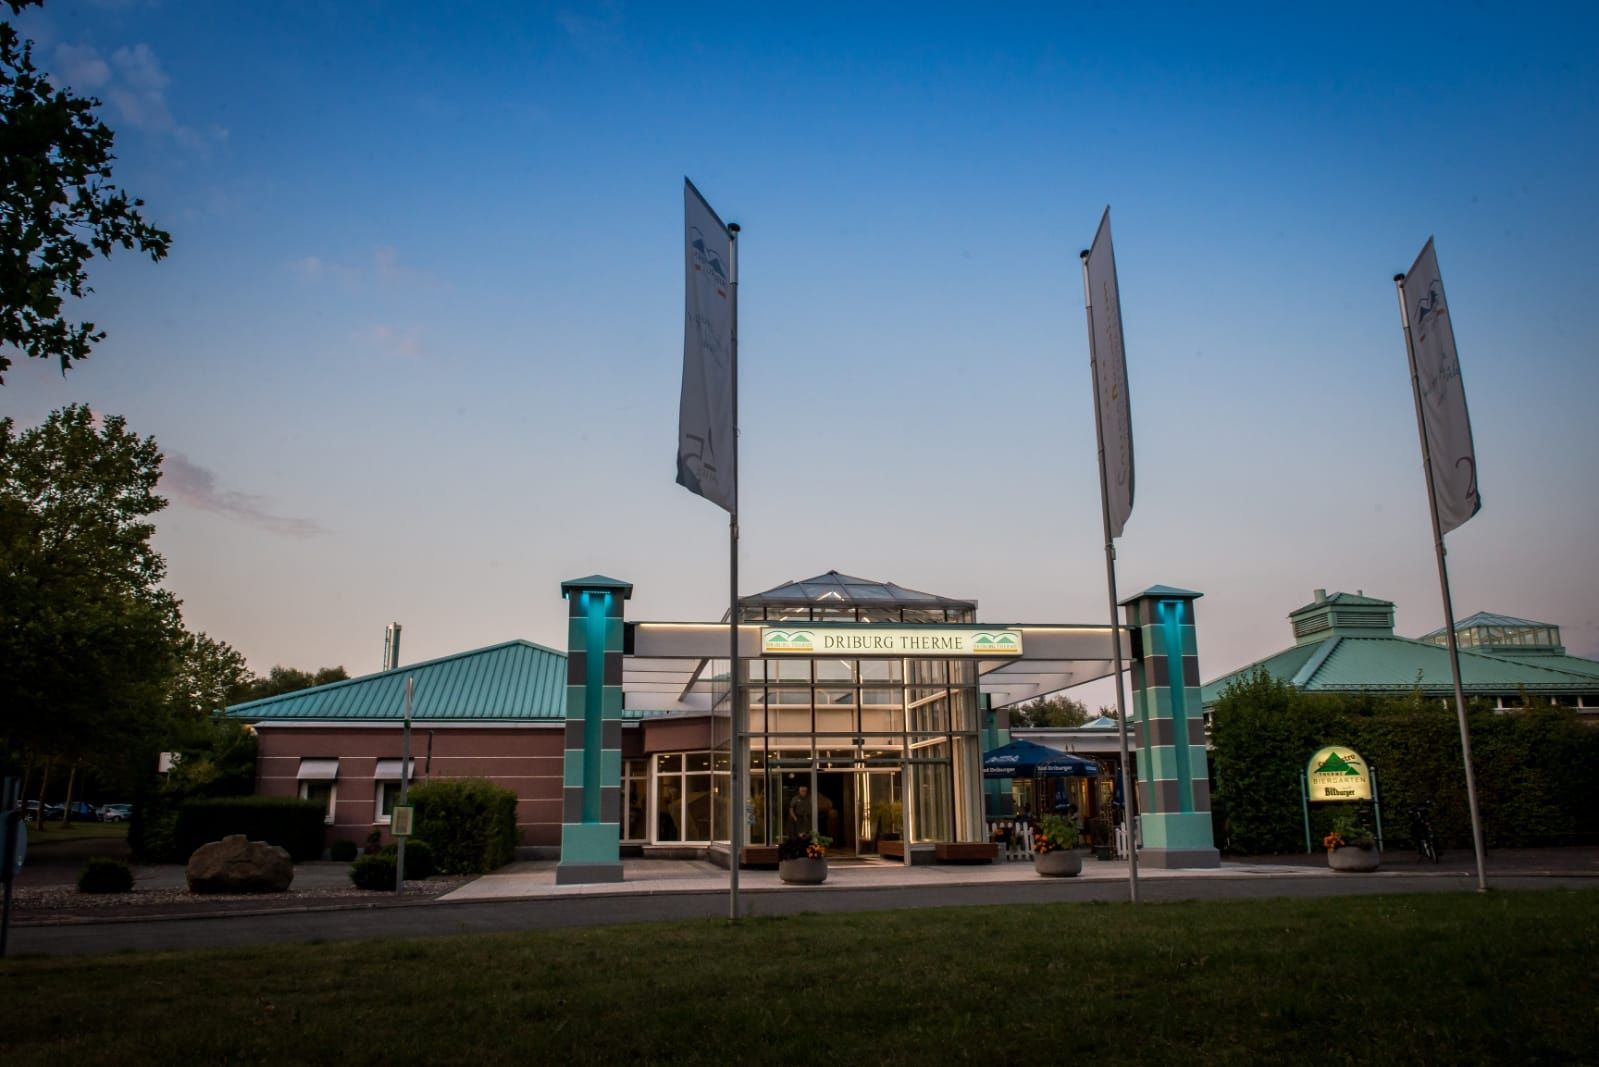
(388,789)
(319,781)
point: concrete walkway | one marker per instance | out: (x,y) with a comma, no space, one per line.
(535,880)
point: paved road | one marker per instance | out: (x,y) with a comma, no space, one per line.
(438,918)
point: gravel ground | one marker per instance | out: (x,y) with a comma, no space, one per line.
(53,904)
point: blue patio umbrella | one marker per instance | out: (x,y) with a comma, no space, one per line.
(1028,759)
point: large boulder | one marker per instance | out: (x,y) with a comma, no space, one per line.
(238,865)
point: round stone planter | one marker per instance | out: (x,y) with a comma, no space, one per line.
(803,872)
(1350,858)
(1062,863)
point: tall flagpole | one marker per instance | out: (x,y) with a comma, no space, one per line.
(1443,582)
(1128,796)
(736,740)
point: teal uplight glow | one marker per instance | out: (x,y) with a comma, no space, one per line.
(1171,619)
(595,606)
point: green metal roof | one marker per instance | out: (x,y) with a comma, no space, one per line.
(1347,600)
(1399,664)
(511,682)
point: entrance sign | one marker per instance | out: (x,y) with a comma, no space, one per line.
(1337,773)
(872,639)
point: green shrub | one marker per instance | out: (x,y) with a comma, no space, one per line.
(374,872)
(343,850)
(101,875)
(418,858)
(1534,781)
(470,823)
(297,825)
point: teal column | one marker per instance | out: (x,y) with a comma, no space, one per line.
(591,795)
(1173,784)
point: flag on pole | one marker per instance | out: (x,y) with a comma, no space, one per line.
(706,451)
(1110,378)
(1444,418)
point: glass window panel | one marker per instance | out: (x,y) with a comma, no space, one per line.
(934,808)
(636,825)
(880,670)
(835,720)
(698,761)
(669,808)
(835,670)
(792,670)
(697,807)
(722,808)
(835,696)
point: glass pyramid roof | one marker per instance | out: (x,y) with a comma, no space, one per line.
(836,588)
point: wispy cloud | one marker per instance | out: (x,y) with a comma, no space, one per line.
(81,67)
(404,341)
(382,269)
(197,487)
(133,84)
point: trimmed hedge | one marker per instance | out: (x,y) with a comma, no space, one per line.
(343,851)
(418,858)
(1534,767)
(470,823)
(101,875)
(375,872)
(296,825)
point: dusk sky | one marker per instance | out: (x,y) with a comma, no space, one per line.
(416,353)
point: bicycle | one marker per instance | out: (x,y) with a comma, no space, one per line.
(1422,833)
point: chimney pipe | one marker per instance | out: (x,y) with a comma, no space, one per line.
(1321,596)
(391,647)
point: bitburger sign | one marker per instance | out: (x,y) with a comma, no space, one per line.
(1337,773)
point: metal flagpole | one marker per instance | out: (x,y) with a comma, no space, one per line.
(736,740)
(1443,582)
(405,788)
(1128,804)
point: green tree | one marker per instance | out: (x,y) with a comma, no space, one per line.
(89,640)
(58,207)
(1055,711)
(280,680)
(210,675)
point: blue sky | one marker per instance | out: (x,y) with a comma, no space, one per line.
(416,352)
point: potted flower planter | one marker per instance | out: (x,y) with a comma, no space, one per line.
(1352,858)
(803,871)
(1061,863)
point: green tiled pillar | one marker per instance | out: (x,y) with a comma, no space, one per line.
(1173,784)
(591,792)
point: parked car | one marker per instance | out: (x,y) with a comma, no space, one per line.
(116,812)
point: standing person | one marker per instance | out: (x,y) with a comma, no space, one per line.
(799,812)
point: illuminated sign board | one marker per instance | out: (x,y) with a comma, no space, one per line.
(1337,773)
(871,639)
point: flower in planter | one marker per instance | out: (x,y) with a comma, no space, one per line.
(803,846)
(1348,832)
(1053,833)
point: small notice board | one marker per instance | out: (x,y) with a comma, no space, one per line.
(400,822)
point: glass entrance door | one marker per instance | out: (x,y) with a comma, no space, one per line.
(880,815)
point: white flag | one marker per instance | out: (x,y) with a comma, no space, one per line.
(706,452)
(1110,376)
(1444,418)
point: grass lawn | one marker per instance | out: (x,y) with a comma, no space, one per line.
(1501,978)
